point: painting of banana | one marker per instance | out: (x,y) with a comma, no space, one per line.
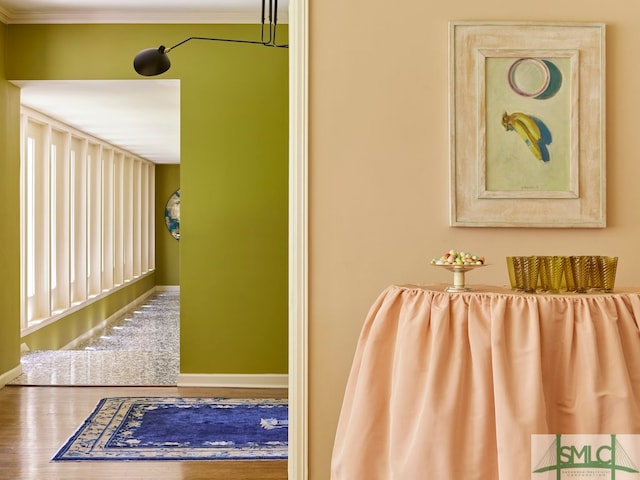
(533,132)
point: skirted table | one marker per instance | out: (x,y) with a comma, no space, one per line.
(451,386)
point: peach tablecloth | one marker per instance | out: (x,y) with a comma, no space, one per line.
(450,386)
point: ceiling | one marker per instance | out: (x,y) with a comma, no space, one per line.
(135,11)
(141,116)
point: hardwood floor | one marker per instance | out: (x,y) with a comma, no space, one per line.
(36,421)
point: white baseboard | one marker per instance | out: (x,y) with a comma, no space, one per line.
(167,288)
(233,381)
(106,322)
(10,375)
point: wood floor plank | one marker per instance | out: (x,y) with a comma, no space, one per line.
(36,421)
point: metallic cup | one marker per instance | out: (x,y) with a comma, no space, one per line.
(518,272)
(581,272)
(568,276)
(543,278)
(512,274)
(553,272)
(596,278)
(530,271)
(608,267)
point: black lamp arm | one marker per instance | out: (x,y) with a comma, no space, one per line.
(272,26)
(154,61)
(167,50)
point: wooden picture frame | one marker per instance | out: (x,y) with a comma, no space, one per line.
(527,124)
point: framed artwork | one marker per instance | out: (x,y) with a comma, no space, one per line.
(172,214)
(527,120)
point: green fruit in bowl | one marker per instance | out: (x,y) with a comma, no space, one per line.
(454,257)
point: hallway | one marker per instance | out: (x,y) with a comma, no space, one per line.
(139,348)
(136,355)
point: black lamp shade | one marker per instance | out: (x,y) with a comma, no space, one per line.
(151,61)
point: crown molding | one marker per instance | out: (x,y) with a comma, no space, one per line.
(135,16)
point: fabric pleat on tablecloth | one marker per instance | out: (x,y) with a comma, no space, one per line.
(452,386)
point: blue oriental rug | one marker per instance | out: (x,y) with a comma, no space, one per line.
(181,428)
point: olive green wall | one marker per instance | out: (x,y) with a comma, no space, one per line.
(67,329)
(10,238)
(167,247)
(233,175)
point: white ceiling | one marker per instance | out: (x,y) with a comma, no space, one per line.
(135,11)
(141,116)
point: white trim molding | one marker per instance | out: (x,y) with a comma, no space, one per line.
(167,288)
(298,239)
(163,12)
(10,375)
(142,17)
(233,380)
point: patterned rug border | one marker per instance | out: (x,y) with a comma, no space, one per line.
(105,428)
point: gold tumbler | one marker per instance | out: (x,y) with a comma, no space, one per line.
(518,272)
(608,266)
(543,278)
(512,274)
(580,269)
(596,279)
(568,276)
(530,270)
(553,271)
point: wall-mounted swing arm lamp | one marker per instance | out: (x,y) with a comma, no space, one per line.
(154,61)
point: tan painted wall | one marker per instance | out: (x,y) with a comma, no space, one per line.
(379,168)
